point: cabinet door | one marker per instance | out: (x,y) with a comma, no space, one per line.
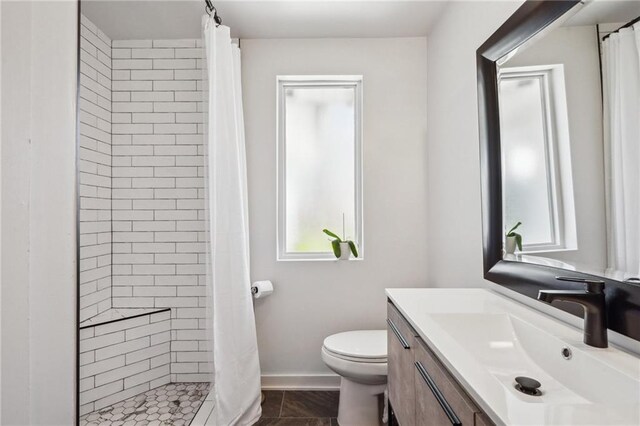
(483,420)
(440,401)
(428,409)
(400,367)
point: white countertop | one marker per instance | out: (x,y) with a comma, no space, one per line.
(486,339)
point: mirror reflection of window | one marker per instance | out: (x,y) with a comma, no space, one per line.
(535,164)
(529,190)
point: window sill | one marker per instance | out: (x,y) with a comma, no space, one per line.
(301,259)
(550,250)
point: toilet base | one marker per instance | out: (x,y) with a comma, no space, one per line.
(359,403)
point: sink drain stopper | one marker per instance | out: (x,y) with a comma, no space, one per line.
(528,386)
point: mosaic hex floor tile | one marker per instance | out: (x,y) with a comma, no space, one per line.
(175,404)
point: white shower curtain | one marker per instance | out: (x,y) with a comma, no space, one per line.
(236,368)
(621,84)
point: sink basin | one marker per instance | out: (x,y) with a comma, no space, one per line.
(509,347)
(487,340)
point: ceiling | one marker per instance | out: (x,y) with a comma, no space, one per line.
(605,11)
(159,19)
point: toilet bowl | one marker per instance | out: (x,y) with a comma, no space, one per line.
(360,358)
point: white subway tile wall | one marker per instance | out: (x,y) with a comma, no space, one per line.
(95,170)
(143,240)
(124,358)
(158,191)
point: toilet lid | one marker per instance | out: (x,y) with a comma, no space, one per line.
(362,344)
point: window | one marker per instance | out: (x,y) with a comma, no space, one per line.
(537,182)
(319,164)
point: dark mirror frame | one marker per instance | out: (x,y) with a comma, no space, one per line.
(622,298)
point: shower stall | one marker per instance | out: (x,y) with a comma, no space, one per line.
(154,210)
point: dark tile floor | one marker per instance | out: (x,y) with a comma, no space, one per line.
(300,408)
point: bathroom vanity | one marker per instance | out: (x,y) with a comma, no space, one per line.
(422,391)
(454,356)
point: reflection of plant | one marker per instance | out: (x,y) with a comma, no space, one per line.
(515,235)
(335,244)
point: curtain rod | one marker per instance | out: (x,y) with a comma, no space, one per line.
(210,8)
(627,25)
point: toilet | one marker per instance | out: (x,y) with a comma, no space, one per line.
(360,358)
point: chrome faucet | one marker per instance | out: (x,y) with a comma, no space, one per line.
(593,302)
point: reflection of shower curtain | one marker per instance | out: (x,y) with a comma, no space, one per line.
(621,77)
(236,367)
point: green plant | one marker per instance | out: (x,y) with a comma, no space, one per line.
(517,236)
(335,244)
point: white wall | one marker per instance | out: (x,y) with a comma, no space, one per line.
(454,219)
(577,49)
(315,299)
(38,212)
(0,215)
(16,24)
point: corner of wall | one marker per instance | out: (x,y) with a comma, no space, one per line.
(455,226)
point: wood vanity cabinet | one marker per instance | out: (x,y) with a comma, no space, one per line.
(401,377)
(422,392)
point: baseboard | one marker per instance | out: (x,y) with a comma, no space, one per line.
(300,382)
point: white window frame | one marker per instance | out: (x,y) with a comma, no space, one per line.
(302,81)
(558,154)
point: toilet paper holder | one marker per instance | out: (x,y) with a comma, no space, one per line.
(261,289)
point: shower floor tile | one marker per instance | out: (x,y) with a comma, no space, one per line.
(174,404)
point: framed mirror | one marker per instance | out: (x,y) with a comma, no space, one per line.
(559,87)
